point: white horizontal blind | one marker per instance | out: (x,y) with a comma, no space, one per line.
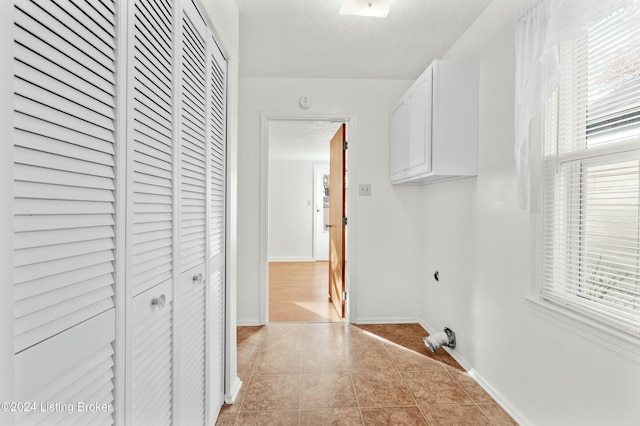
(64,165)
(591,241)
(151,110)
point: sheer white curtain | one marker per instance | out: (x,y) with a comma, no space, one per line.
(540,28)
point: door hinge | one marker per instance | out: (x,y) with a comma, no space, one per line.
(344,295)
(344,221)
(345,145)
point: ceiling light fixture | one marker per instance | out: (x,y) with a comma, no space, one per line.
(376,8)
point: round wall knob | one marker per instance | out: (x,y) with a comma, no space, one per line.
(159,301)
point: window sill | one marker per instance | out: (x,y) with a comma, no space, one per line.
(598,332)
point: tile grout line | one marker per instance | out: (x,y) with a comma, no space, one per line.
(475,403)
(353,385)
(302,333)
(406,385)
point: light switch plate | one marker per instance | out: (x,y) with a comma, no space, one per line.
(364,189)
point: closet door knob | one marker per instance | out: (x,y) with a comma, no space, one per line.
(159,301)
(197,279)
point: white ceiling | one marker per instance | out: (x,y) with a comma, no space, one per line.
(301,139)
(310,39)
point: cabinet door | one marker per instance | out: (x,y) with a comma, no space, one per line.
(419,109)
(193,217)
(399,150)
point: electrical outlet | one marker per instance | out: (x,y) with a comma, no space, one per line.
(364,189)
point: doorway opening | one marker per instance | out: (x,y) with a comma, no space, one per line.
(305,278)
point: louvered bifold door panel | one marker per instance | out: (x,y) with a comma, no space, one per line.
(192,347)
(192,139)
(192,219)
(151,357)
(69,377)
(216,282)
(151,238)
(150,145)
(64,165)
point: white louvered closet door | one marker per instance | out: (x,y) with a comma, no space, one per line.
(151,209)
(192,218)
(217,227)
(65,215)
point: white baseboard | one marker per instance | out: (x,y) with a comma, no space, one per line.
(291,259)
(248,323)
(232,395)
(503,402)
(389,320)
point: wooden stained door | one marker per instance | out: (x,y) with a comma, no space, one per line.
(337,216)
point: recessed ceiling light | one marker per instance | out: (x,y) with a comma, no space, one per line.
(376,8)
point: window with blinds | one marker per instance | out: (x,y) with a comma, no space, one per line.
(591,160)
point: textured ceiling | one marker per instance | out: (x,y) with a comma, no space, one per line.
(310,39)
(300,139)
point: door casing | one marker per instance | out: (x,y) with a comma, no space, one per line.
(350,197)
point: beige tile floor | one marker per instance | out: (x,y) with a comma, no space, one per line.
(343,374)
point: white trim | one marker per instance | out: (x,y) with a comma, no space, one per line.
(263,224)
(484,384)
(387,320)
(571,320)
(124,310)
(291,259)
(263,229)
(249,323)
(6,214)
(603,334)
(234,390)
(319,167)
(502,402)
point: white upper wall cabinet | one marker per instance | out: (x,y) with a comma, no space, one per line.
(434,125)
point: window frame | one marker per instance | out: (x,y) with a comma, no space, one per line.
(562,310)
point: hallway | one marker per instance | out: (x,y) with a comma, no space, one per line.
(298,292)
(338,373)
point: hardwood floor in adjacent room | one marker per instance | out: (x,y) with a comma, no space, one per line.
(298,292)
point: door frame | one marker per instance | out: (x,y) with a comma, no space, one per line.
(318,170)
(350,199)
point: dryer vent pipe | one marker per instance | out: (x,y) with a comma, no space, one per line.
(441,338)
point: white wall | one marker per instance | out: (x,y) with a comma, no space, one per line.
(478,239)
(383,245)
(6,211)
(291,209)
